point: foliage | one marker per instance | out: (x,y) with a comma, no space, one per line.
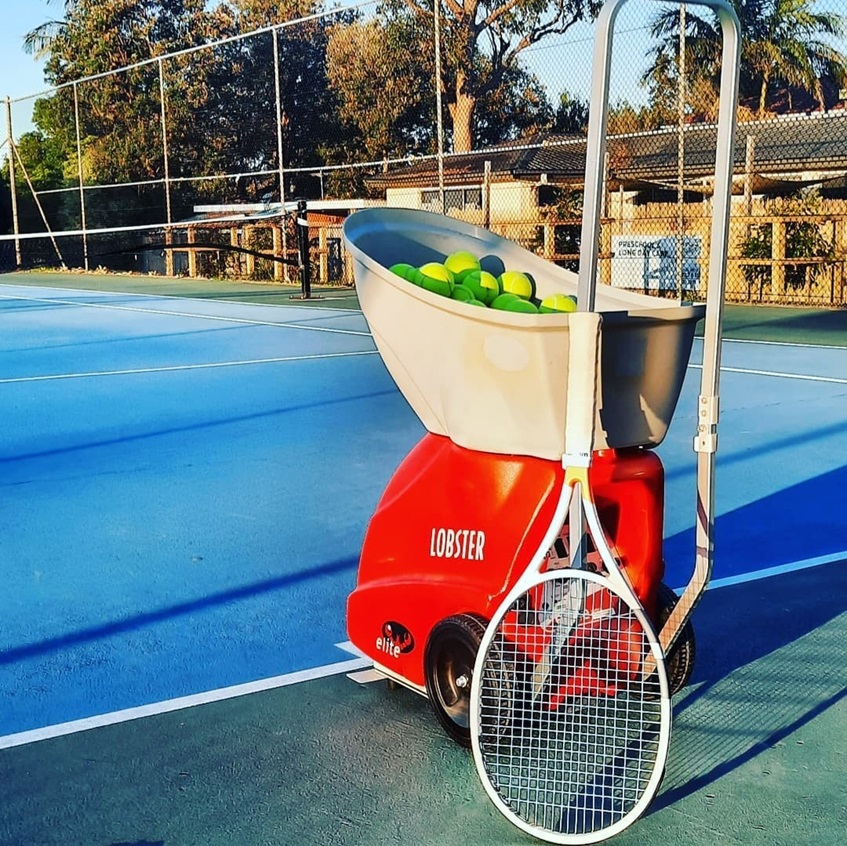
(803,240)
(480,46)
(571,116)
(785,57)
(383,85)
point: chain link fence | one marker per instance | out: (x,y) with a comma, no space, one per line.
(209,148)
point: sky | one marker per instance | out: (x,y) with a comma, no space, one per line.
(20,74)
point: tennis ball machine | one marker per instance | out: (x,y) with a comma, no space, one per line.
(512,571)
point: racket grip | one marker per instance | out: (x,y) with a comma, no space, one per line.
(581,411)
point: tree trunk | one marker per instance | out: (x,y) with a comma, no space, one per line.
(763,95)
(462,112)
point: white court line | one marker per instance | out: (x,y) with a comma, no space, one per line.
(169,313)
(794,567)
(799,376)
(75,726)
(779,343)
(316,303)
(178,367)
(359,663)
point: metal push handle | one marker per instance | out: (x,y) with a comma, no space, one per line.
(705,442)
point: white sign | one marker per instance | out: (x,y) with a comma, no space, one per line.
(648,262)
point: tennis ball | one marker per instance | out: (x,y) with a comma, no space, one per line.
(461,293)
(515,282)
(502,302)
(402,269)
(437,278)
(461,262)
(521,305)
(557,303)
(483,285)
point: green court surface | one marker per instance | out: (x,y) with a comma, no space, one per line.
(757,755)
(759,323)
(265,293)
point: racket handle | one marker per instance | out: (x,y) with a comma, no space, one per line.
(583,356)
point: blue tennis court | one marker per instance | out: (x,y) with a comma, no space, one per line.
(186,484)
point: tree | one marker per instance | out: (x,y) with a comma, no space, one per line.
(571,115)
(481,42)
(784,56)
(120,124)
(220,102)
(240,116)
(384,87)
(384,71)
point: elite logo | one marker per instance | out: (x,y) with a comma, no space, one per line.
(396,640)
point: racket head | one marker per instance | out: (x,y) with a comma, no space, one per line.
(573,752)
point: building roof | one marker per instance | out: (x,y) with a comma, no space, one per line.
(790,148)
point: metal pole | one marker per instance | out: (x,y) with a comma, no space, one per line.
(680,185)
(169,256)
(303,249)
(12,183)
(279,152)
(79,175)
(438,107)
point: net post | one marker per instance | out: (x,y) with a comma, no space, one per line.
(12,184)
(302,224)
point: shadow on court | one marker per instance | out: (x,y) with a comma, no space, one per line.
(770,662)
(756,756)
(179,610)
(802,521)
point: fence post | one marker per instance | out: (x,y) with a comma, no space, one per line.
(169,254)
(438,106)
(486,194)
(778,255)
(280,269)
(12,184)
(192,254)
(278,250)
(79,177)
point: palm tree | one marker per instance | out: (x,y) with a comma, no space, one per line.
(39,40)
(784,52)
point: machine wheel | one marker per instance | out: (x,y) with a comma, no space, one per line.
(680,660)
(448,668)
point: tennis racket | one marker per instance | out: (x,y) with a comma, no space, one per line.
(570,706)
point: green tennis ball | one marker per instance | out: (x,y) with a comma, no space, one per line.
(521,305)
(557,303)
(515,282)
(461,293)
(402,269)
(461,262)
(483,285)
(502,302)
(437,278)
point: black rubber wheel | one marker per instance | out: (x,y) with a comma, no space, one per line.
(448,668)
(680,660)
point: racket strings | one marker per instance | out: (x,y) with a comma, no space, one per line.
(569,724)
